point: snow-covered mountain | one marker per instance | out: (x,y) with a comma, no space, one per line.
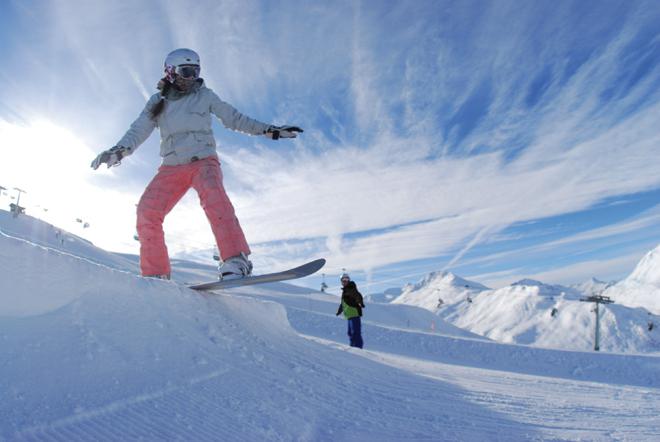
(533,313)
(642,287)
(527,314)
(91,351)
(592,287)
(438,289)
(648,269)
(539,288)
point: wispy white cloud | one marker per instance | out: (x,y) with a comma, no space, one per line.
(620,266)
(612,234)
(429,127)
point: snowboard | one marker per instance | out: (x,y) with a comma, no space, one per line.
(294,273)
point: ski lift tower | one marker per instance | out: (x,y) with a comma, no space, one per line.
(16,209)
(597,299)
(18,199)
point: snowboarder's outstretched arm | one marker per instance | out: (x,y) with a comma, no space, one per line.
(232,119)
(141,128)
(139,131)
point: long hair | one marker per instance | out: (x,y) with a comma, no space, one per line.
(164,87)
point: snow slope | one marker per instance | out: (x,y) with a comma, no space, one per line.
(93,352)
(46,235)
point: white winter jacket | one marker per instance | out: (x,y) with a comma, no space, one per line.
(185,125)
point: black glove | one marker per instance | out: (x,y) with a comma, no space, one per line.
(111,157)
(278,132)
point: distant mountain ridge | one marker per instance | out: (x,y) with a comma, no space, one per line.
(543,289)
(648,269)
(642,287)
(592,287)
(535,313)
(438,288)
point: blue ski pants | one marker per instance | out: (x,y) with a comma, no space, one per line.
(355,332)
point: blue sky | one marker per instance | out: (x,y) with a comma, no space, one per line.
(498,140)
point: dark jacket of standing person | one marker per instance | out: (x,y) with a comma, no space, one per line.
(351,301)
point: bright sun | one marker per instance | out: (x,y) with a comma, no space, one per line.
(41,157)
(52,166)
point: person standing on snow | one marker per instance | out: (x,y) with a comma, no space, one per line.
(182,111)
(351,305)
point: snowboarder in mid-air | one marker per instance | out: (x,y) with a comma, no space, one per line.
(352,305)
(182,111)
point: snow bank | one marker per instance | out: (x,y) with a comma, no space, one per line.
(46,235)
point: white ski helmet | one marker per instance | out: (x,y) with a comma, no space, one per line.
(178,58)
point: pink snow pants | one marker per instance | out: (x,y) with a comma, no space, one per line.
(161,195)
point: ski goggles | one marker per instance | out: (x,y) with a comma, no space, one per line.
(188,71)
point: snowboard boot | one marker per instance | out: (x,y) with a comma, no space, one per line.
(235,267)
(164,276)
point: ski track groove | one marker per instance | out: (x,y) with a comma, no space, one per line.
(159,402)
(535,409)
(382,399)
(169,416)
